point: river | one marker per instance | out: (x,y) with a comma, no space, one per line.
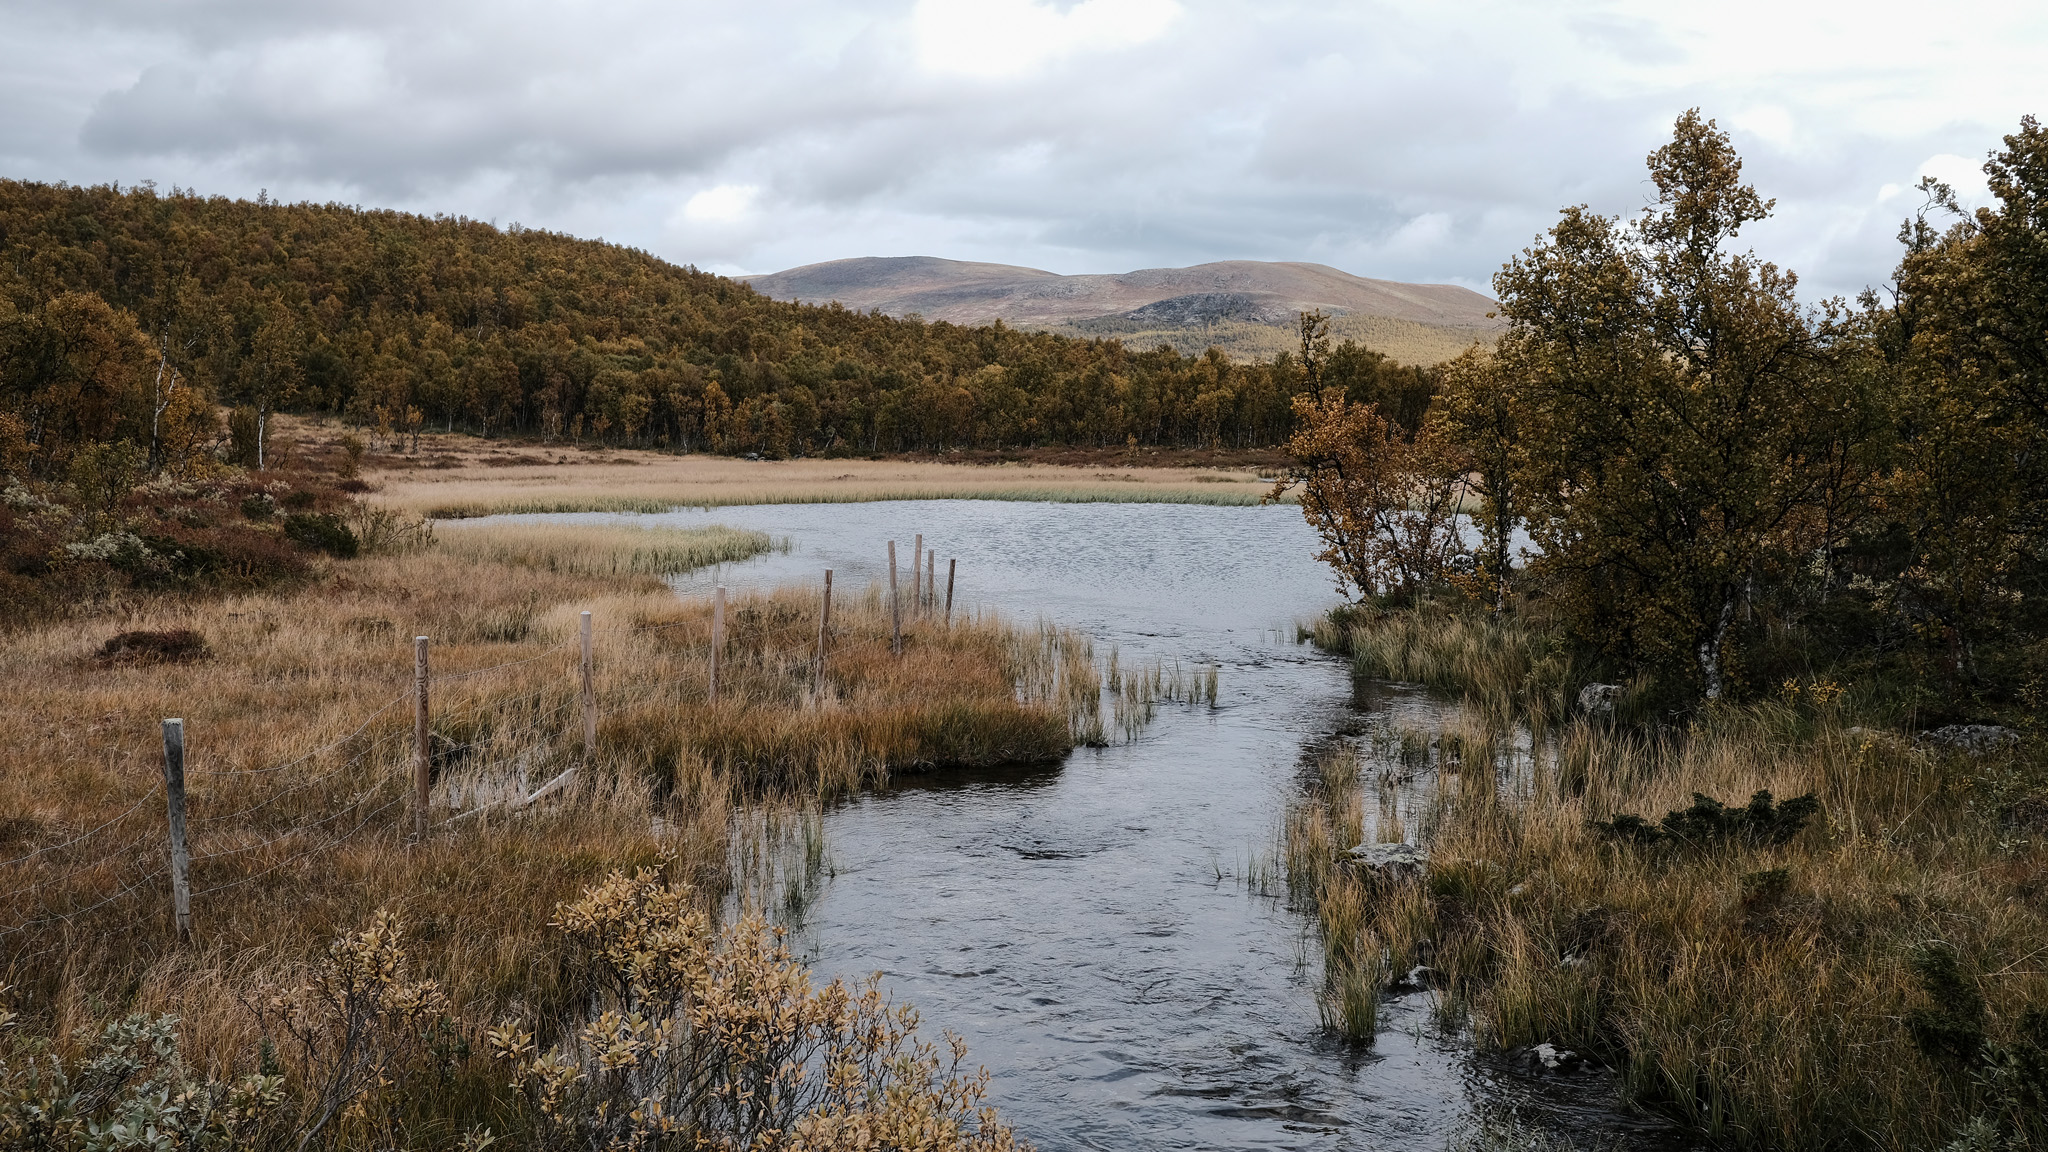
(1094,930)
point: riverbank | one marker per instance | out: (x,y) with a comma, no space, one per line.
(1832,939)
(298,723)
(458,476)
(457,487)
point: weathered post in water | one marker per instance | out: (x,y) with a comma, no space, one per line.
(952,567)
(916,568)
(422,752)
(824,629)
(895,606)
(717,638)
(589,696)
(181,853)
(931,581)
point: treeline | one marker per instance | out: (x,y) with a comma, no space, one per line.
(1725,490)
(126,314)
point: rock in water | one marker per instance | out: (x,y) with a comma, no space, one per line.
(1597,701)
(1551,1058)
(1392,861)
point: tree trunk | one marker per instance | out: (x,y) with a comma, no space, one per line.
(156,414)
(262,420)
(1710,648)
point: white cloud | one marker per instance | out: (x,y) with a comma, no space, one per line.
(1421,234)
(1962,174)
(724,204)
(1004,38)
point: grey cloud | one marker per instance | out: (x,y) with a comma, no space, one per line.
(1252,130)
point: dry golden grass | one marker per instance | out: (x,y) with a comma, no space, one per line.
(460,477)
(1403,341)
(1763,1012)
(601,550)
(298,726)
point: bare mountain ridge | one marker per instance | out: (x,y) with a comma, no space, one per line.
(1230,290)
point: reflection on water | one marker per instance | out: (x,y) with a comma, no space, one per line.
(1085,927)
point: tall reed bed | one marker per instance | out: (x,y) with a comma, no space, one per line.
(606,550)
(1136,691)
(1505,668)
(298,720)
(1368,924)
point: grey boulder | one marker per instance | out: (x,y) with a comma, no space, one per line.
(1393,861)
(1975,738)
(1598,700)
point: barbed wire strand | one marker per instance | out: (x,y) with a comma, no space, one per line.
(364,823)
(158,872)
(304,785)
(87,835)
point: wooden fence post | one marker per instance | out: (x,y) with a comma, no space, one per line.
(181,853)
(589,696)
(422,750)
(895,606)
(952,567)
(824,629)
(717,638)
(916,570)
(931,581)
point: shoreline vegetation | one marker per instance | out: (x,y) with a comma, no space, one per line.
(338,971)
(1867,976)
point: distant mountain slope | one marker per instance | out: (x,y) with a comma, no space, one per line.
(1226,291)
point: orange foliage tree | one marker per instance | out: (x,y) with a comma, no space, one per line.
(1384,504)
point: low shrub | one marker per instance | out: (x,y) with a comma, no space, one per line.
(708,1038)
(171,646)
(322,532)
(130,1088)
(1708,822)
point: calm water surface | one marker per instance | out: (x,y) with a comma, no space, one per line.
(1086,926)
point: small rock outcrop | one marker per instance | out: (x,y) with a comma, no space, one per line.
(1551,1058)
(1973,738)
(1597,701)
(1390,861)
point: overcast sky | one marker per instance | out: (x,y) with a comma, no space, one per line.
(1414,141)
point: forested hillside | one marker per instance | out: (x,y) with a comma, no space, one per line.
(127,314)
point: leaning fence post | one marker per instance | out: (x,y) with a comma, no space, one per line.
(181,853)
(717,637)
(422,751)
(589,696)
(952,567)
(895,606)
(824,629)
